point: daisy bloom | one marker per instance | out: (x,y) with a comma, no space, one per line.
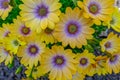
(85,60)
(5,56)
(113,63)
(5,8)
(110,44)
(31,52)
(46,35)
(99,66)
(73,28)
(39,14)
(12,43)
(4,31)
(115,22)
(78,76)
(97,9)
(34,72)
(59,62)
(19,28)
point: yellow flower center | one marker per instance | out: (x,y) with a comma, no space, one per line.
(48,30)
(42,11)
(59,61)
(72,29)
(25,30)
(33,50)
(83,61)
(107,45)
(5,4)
(16,42)
(93,9)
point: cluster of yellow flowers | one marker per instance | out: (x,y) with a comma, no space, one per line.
(41,22)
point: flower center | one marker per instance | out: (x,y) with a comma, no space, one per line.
(72,28)
(108,45)
(113,58)
(25,30)
(48,31)
(83,61)
(5,4)
(33,49)
(93,8)
(15,42)
(42,11)
(59,60)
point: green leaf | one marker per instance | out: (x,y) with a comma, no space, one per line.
(19,69)
(75,2)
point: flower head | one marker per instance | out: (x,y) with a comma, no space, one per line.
(97,9)
(20,29)
(39,14)
(12,43)
(31,52)
(5,56)
(99,66)
(113,63)
(114,22)
(85,60)
(5,30)
(73,28)
(5,8)
(59,62)
(110,44)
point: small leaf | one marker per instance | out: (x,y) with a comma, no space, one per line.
(19,69)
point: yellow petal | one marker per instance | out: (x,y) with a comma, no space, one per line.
(80,4)
(97,22)
(44,23)
(53,17)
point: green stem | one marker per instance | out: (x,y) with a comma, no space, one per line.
(10,65)
(19,69)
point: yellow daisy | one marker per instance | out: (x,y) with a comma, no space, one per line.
(4,31)
(12,43)
(73,28)
(39,14)
(19,28)
(35,72)
(113,63)
(5,56)
(78,76)
(31,52)
(99,66)
(85,60)
(115,22)
(59,62)
(110,44)
(5,8)
(46,35)
(97,9)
